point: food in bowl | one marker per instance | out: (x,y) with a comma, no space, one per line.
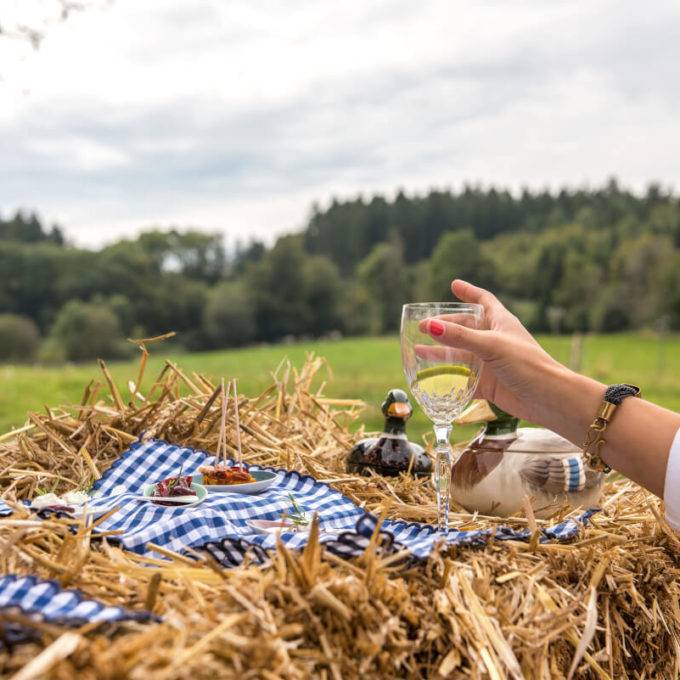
(173,486)
(222,474)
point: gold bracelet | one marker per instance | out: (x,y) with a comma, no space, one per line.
(613,396)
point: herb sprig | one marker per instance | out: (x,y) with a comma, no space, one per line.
(175,480)
(42,492)
(298,516)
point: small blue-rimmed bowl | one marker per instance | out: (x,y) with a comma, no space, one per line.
(263,479)
(166,501)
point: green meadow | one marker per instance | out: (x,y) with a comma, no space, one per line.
(362,368)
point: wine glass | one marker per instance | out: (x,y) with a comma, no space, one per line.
(442,379)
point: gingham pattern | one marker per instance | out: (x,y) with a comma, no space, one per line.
(221,515)
(218,525)
(418,539)
(47,601)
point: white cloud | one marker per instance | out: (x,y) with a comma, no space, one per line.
(78,153)
(238,115)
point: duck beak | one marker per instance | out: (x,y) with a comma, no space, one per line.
(398,409)
(478,411)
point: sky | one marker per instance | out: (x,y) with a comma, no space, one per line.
(238,115)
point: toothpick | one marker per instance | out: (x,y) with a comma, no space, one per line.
(221,437)
(225,403)
(238,429)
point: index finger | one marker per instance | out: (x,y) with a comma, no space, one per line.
(462,318)
(479,342)
(469,293)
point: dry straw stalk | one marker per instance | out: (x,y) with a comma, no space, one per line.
(606,604)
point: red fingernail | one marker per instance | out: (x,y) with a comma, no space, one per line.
(436,328)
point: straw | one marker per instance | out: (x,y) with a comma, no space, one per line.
(603,606)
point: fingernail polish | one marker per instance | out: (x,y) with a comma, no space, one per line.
(436,328)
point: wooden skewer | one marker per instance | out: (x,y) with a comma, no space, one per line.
(238,429)
(220,439)
(224,420)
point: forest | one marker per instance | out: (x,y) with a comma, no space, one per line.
(604,260)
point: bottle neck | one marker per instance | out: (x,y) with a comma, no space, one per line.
(501,426)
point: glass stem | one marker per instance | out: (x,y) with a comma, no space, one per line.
(442,475)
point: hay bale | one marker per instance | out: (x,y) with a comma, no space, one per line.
(605,606)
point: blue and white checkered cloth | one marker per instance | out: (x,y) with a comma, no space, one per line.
(221,515)
(47,601)
(218,527)
(5,510)
(56,605)
(218,524)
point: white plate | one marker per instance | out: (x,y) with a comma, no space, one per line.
(263,479)
(266,526)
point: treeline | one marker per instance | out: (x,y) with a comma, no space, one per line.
(602,260)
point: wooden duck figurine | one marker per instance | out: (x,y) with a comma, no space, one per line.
(391,453)
(504,463)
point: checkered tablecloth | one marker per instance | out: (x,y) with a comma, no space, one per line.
(218,525)
(46,601)
(221,515)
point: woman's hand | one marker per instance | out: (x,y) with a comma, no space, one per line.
(524,380)
(518,375)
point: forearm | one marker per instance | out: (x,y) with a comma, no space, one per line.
(638,438)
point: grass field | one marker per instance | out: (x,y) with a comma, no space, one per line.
(362,368)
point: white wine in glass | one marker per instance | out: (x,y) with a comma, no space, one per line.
(442,379)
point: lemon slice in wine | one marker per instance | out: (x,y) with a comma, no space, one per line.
(441,381)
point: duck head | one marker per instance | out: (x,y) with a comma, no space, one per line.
(397,405)
(391,453)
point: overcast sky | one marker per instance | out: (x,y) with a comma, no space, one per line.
(236,115)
